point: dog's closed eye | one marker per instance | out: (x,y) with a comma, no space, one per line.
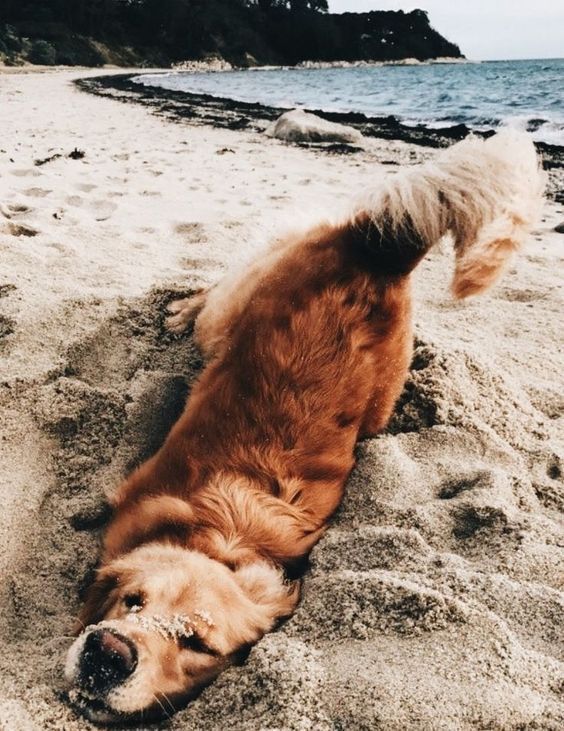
(196,644)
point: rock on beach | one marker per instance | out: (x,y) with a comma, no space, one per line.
(301,126)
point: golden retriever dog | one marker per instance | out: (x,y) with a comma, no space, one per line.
(307,351)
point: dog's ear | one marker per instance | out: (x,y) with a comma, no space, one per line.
(99,597)
(146,520)
(266,587)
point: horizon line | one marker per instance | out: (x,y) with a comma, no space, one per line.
(520,58)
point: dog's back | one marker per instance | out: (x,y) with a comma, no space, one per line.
(319,346)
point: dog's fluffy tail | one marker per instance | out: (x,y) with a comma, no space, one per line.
(486,193)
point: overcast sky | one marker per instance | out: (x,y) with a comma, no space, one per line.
(485,29)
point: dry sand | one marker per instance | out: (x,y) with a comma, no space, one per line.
(434,602)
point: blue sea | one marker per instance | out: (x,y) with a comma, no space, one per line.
(486,95)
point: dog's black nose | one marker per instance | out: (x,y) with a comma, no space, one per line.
(107,660)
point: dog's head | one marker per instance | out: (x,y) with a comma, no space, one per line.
(160,623)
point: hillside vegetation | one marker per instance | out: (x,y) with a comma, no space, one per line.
(244,32)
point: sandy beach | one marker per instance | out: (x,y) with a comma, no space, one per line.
(435,600)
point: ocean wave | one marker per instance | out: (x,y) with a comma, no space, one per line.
(550,131)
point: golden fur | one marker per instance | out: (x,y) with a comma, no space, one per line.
(307,351)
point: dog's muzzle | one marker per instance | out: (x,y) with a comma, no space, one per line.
(107,660)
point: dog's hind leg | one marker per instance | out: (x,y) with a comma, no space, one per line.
(185,311)
(386,393)
(204,310)
(216,310)
(379,411)
(212,311)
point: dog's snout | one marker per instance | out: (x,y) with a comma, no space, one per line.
(107,660)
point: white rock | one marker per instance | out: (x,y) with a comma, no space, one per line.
(301,126)
(207,65)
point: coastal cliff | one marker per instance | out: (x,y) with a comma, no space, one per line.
(240,32)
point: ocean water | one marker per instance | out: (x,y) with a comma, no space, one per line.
(524,94)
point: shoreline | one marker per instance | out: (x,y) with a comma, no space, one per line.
(223,112)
